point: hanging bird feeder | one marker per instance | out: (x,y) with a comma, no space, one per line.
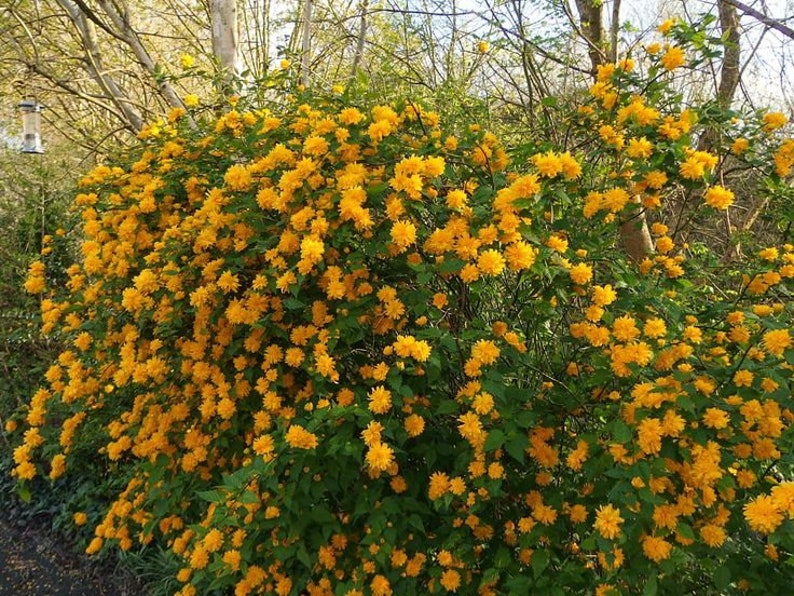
(31,126)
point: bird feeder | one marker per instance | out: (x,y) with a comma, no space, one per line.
(31,126)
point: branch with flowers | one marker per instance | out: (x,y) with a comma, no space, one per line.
(342,349)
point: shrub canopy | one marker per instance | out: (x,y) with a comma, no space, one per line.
(343,350)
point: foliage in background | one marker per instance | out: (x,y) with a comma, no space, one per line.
(385,359)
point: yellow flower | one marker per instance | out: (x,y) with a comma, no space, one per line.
(578,456)
(485,352)
(80,518)
(299,437)
(232,558)
(666,26)
(783,497)
(470,427)
(548,164)
(777,341)
(490,262)
(199,559)
(625,328)
(263,445)
(372,434)
(187,61)
(673,58)
(380,400)
(607,521)
(557,243)
(604,295)
(719,197)
(739,146)
(450,580)
(520,256)
(483,47)
(213,540)
(655,327)
(773,121)
(456,199)
(649,435)
(439,484)
(35,282)
(403,234)
(716,418)
(350,116)
(380,456)
(191,100)
(95,546)
(495,470)
(414,425)
(639,148)
(762,514)
(655,179)
(581,273)
(656,549)
(713,535)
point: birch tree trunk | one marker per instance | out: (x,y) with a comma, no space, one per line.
(362,36)
(226,40)
(306,46)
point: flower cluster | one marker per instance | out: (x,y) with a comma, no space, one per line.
(339,350)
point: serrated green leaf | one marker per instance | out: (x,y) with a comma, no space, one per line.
(651,588)
(686,531)
(516,447)
(621,432)
(496,439)
(540,560)
(722,578)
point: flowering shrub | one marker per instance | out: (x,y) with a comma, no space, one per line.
(340,350)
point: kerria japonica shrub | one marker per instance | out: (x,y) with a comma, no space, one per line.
(348,350)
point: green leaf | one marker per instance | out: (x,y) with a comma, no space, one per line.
(212,496)
(526,419)
(293,304)
(416,522)
(722,578)
(502,558)
(448,406)
(686,531)
(540,560)
(303,557)
(621,432)
(516,447)
(496,439)
(249,498)
(24,493)
(651,587)
(451,265)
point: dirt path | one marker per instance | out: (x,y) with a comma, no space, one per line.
(32,563)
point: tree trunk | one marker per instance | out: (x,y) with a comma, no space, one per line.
(225,40)
(306,46)
(729,74)
(125,32)
(93,64)
(635,237)
(362,36)
(591,23)
(614,29)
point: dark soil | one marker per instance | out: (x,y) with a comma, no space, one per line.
(35,562)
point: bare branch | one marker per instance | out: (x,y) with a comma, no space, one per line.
(765,19)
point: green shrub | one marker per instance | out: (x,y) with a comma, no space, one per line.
(338,350)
